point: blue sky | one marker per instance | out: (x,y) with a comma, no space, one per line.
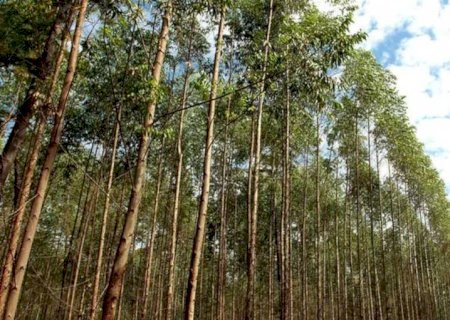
(412,39)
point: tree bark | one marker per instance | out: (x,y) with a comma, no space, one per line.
(176,206)
(287,307)
(361,300)
(89,215)
(98,267)
(379,310)
(36,208)
(305,291)
(201,222)
(319,288)
(337,246)
(151,240)
(30,167)
(252,224)
(222,263)
(115,282)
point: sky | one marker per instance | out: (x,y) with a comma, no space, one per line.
(411,38)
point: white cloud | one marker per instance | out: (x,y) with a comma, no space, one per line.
(422,49)
(429,130)
(422,65)
(424,92)
(385,16)
(325,6)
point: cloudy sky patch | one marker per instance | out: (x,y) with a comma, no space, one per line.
(412,39)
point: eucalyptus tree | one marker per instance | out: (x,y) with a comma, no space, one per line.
(30,231)
(120,262)
(189,54)
(197,249)
(254,167)
(370,86)
(29,169)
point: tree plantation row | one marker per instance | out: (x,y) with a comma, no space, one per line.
(189,159)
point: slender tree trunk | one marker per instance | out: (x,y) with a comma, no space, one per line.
(16,223)
(361,300)
(305,291)
(115,282)
(150,243)
(319,301)
(282,252)
(432,296)
(402,294)
(201,222)
(414,284)
(337,246)
(14,236)
(235,247)
(161,271)
(89,218)
(325,284)
(17,135)
(350,246)
(428,306)
(61,312)
(30,167)
(36,208)
(286,296)
(345,246)
(379,314)
(70,260)
(278,240)
(98,267)
(222,263)
(176,206)
(270,295)
(113,236)
(383,284)
(397,308)
(79,257)
(252,225)
(419,286)
(152,234)
(82,306)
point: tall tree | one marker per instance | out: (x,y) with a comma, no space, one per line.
(178,179)
(254,169)
(99,263)
(30,167)
(189,312)
(49,160)
(118,269)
